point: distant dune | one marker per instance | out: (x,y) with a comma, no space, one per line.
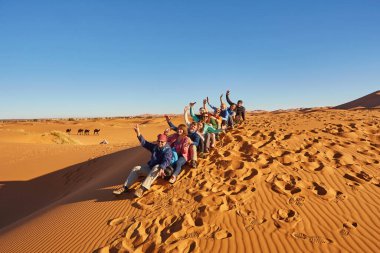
(369,101)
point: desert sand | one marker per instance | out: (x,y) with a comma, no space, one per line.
(289,181)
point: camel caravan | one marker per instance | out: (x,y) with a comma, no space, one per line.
(84,131)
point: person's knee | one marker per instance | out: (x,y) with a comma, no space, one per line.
(155,168)
(136,169)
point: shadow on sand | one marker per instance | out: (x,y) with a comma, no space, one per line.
(95,178)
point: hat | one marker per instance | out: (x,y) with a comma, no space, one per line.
(162,137)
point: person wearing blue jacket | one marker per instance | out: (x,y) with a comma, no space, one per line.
(225,113)
(160,159)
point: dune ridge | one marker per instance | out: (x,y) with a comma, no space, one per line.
(298,181)
(368,101)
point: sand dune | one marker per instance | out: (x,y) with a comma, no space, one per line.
(369,101)
(296,181)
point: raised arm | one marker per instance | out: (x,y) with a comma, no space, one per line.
(204,105)
(228,98)
(186,116)
(208,102)
(221,99)
(195,118)
(146,144)
(170,123)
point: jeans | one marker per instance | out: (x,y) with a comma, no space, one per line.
(230,121)
(201,146)
(178,165)
(209,141)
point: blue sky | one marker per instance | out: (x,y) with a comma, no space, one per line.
(124,57)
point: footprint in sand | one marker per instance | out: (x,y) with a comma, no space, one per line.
(286,218)
(219,203)
(362,177)
(312,239)
(117,221)
(347,228)
(250,219)
(285,183)
(322,191)
(165,232)
(250,174)
(297,200)
(354,186)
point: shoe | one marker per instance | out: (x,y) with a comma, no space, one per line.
(120,191)
(139,192)
(193,164)
(173,179)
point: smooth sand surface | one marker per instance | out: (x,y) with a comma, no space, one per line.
(290,181)
(369,101)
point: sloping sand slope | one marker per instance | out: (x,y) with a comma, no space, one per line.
(369,101)
(284,182)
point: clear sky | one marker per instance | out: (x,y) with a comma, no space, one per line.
(78,58)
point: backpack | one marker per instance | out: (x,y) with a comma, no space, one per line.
(174,157)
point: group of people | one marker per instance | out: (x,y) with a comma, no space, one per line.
(191,140)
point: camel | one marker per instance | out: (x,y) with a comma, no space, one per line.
(96,131)
(68,131)
(80,131)
(86,132)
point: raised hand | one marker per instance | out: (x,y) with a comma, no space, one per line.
(228,92)
(137,129)
(204,101)
(167,118)
(167,130)
(191,104)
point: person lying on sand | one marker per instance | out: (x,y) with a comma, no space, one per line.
(161,159)
(240,109)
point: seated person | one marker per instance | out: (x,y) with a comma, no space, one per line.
(192,133)
(181,143)
(240,109)
(160,159)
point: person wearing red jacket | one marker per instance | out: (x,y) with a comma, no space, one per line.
(181,143)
